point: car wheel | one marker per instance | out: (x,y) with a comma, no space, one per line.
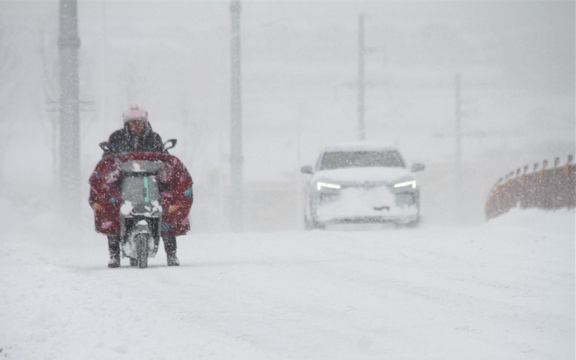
(312,222)
(319,226)
(307,224)
(312,225)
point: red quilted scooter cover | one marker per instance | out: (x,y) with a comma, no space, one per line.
(175,193)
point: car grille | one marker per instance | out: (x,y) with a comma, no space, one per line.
(369,190)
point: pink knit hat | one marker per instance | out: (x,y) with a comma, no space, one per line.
(135,112)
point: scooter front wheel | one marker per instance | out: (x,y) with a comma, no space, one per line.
(141,241)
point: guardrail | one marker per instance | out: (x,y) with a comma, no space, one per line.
(543,188)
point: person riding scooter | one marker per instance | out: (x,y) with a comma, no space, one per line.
(137,135)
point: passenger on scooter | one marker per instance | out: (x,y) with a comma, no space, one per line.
(137,135)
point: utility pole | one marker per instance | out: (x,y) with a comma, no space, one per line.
(458,116)
(361,82)
(103,58)
(236,157)
(68,45)
(458,152)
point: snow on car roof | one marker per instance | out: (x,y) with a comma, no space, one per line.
(359,146)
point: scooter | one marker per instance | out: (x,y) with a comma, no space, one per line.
(140,209)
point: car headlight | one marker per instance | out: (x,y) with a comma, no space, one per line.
(324,185)
(405,184)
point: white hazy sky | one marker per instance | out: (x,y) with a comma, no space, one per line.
(299,67)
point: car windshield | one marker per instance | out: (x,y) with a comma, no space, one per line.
(349,159)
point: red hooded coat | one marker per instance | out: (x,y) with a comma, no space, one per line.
(176,195)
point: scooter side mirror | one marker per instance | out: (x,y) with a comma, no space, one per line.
(169,144)
(416,167)
(105,146)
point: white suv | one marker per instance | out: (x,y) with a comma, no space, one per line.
(361,182)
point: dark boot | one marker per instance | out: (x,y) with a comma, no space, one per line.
(172,260)
(114,251)
(170,248)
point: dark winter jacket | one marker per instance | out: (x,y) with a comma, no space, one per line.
(123,141)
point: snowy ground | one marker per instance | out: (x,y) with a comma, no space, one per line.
(502,290)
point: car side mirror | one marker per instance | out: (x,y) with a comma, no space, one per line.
(169,144)
(307,169)
(416,167)
(105,146)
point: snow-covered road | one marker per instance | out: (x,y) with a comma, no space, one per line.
(503,290)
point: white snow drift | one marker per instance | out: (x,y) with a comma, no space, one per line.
(503,290)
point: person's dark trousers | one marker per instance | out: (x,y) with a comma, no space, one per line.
(114,251)
(170,247)
(170,244)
